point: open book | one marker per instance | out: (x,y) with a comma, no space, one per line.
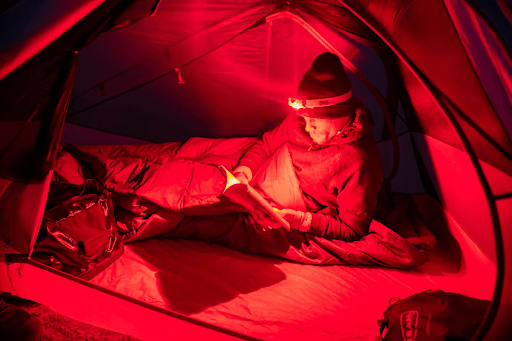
(248,197)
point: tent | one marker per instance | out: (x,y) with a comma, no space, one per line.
(437,76)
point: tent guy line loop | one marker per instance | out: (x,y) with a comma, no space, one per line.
(180,77)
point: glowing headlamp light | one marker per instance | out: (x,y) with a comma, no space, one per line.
(298,103)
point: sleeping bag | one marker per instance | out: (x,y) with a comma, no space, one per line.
(174,190)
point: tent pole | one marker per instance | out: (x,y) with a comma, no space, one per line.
(54,114)
(267,73)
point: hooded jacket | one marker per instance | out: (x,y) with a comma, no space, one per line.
(340,180)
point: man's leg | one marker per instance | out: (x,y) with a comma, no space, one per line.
(240,231)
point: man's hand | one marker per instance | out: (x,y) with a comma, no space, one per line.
(297,219)
(243,174)
(241,177)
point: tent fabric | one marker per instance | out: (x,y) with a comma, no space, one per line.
(263,62)
(441,59)
(451,59)
(27,107)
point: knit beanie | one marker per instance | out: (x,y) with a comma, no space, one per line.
(327,83)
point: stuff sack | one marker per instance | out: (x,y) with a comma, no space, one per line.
(433,315)
(78,234)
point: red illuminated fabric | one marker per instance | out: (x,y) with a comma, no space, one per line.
(184,180)
(341,180)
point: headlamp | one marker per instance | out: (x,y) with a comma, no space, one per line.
(298,103)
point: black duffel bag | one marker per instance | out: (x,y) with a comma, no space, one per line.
(78,234)
(433,316)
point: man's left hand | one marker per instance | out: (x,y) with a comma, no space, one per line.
(297,219)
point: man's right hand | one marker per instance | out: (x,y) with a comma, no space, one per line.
(242,178)
(243,174)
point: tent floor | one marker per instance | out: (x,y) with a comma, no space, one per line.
(268,298)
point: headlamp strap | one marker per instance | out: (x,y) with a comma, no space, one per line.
(298,103)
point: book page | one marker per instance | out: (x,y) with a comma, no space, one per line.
(248,197)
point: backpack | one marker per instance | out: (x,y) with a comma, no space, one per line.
(78,234)
(433,316)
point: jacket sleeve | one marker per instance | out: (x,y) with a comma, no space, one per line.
(357,201)
(264,147)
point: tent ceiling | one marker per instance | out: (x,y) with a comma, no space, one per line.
(263,65)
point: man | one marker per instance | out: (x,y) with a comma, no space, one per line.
(320,167)
(333,152)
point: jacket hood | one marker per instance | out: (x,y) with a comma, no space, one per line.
(360,125)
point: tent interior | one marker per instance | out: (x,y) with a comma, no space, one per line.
(140,75)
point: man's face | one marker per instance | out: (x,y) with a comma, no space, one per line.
(322,130)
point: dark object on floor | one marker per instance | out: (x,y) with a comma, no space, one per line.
(17,324)
(79,232)
(56,327)
(434,316)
